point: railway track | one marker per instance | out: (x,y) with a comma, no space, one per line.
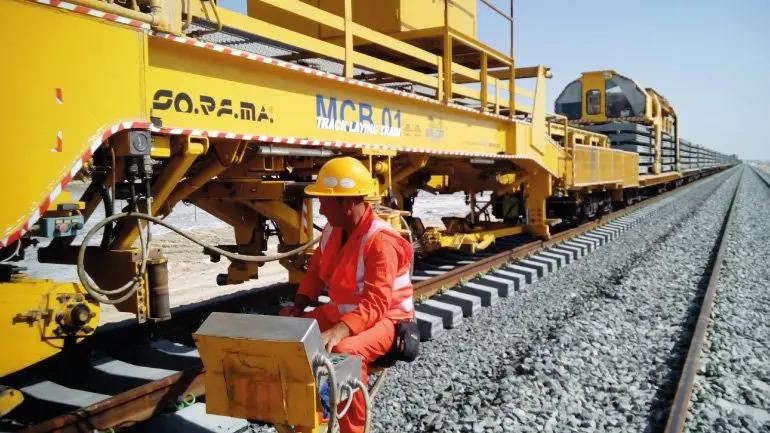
(86,395)
(762,175)
(679,408)
(677,419)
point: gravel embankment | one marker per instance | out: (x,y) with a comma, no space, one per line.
(590,348)
(733,386)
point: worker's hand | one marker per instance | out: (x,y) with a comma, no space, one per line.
(300,303)
(334,335)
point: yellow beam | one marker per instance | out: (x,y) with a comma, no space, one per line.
(84,113)
(29,308)
(376,64)
(307,11)
(467,92)
(162,187)
(655,179)
(524,108)
(525,92)
(394,44)
(484,82)
(440,79)
(465,72)
(527,72)
(9,399)
(447,53)
(497,96)
(472,241)
(479,46)
(117,10)
(305,105)
(512,96)
(349,48)
(281,34)
(288,219)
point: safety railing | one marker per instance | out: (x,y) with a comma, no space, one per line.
(448,79)
(487,89)
(558,127)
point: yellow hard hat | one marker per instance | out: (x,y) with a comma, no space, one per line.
(342,177)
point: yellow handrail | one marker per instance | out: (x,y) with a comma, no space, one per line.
(117,10)
(448,78)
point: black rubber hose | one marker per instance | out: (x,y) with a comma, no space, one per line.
(109,210)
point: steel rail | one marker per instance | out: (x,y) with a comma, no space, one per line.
(761,176)
(681,404)
(129,407)
(432,286)
(141,403)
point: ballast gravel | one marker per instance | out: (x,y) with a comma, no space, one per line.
(593,347)
(732,391)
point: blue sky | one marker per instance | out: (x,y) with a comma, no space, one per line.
(710,58)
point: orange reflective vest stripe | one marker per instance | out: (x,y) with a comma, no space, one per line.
(347,298)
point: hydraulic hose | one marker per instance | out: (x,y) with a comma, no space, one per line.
(345,388)
(125,291)
(130,287)
(109,210)
(16,251)
(367,402)
(322,362)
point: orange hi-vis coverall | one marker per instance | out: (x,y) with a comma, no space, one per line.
(370,289)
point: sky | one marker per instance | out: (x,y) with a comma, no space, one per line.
(709,58)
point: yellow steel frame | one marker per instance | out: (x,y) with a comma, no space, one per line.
(31,311)
(9,399)
(434,239)
(88,105)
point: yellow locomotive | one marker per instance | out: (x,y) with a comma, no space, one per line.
(157,102)
(633,119)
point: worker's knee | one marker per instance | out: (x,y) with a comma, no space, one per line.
(348,346)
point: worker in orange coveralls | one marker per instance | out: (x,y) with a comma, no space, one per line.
(364,264)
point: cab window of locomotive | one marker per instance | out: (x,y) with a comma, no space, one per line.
(623,98)
(593,102)
(568,103)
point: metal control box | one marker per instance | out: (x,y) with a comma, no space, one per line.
(260,367)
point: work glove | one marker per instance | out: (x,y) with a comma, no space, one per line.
(296,310)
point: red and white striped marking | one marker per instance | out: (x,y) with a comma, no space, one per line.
(59,142)
(330,143)
(59,97)
(294,67)
(95,13)
(306,227)
(36,212)
(39,210)
(256,57)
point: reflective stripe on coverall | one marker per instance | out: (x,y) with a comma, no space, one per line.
(370,289)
